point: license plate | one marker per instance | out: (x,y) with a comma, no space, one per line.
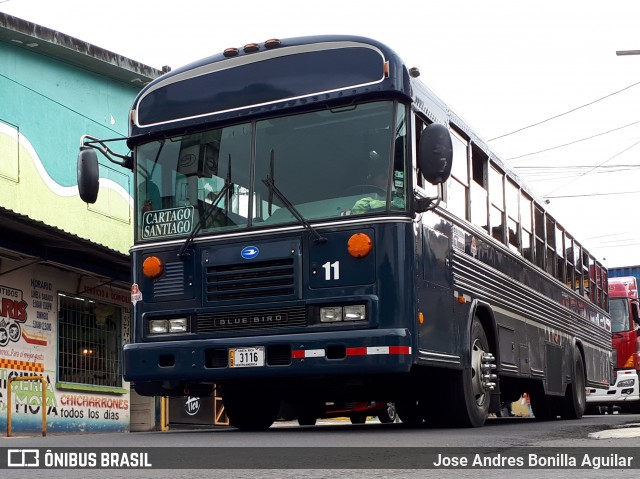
(246,357)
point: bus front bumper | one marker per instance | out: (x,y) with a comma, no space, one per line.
(376,351)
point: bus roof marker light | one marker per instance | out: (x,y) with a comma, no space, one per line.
(272,43)
(230,52)
(251,48)
(420,317)
(152,267)
(359,245)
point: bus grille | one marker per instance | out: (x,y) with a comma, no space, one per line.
(252,319)
(275,278)
(172,282)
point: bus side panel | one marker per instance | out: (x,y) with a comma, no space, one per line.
(439,335)
(597,365)
(396,262)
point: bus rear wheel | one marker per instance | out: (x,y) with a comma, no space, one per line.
(248,409)
(574,402)
(471,387)
(545,407)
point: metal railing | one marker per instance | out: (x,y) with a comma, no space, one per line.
(43,383)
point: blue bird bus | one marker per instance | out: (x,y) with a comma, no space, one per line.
(313,225)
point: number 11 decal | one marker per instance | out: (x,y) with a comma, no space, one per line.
(331,270)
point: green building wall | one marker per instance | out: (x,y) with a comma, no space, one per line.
(46,105)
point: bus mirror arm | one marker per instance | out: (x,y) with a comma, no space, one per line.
(88,170)
(425,203)
(87,141)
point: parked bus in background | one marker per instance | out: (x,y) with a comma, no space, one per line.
(314,225)
(625,326)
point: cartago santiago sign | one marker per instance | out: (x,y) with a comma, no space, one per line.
(170,222)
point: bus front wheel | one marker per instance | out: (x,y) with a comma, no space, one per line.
(410,411)
(307,420)
(472,386)
(248,409)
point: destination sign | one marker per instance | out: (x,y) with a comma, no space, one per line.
(169,222)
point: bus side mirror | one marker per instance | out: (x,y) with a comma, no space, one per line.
(435,154)
(88,175)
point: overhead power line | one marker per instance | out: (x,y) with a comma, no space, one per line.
(565,113)
(623,243)
(597,166)
(537,167)
(546,173)
(574,142)
(593,194)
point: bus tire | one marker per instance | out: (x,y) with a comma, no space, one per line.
(358,419)
(245,412)
(388,414)
(410,412)
(592,410)
(544,407)
(471,399)
(574,402)
(307,420)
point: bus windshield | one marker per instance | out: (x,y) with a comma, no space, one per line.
(326,164)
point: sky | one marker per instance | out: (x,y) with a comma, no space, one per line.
(539,81)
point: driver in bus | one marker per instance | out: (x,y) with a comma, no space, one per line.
(378,179)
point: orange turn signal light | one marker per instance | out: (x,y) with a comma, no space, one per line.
(359,245)
(152,267)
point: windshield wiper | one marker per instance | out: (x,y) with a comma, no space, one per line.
(212,211)
(273,189)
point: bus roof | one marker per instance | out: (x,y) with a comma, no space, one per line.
(240,82)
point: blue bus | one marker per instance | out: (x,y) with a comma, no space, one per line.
(314,225)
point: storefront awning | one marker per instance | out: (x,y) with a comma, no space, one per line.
(22,238)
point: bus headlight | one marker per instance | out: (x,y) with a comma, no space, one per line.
(168,326)
(626,383)
(352,312)
(178,325)
(330,314)
(356,312)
